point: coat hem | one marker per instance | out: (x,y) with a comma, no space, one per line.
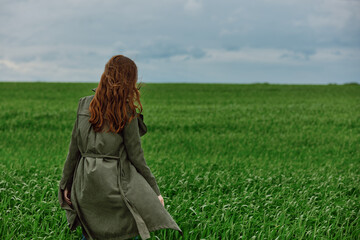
(151,229)
(122,237)
(158,227)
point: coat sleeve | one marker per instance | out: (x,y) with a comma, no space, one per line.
(135,152)
(72,157)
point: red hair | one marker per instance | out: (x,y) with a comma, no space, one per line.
(116,95)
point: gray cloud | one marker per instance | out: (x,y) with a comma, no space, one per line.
(163,49)
(181,40)
(303,54)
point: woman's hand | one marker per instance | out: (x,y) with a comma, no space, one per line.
(67,196)
(161,199)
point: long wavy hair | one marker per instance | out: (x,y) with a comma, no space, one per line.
(117,96)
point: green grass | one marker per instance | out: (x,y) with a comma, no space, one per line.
(256,161)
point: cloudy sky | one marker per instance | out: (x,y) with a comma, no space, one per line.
(230,41)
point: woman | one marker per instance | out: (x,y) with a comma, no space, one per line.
(107,187)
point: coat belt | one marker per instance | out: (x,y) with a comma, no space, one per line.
(94,155)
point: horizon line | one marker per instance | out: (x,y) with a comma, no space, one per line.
(234,83)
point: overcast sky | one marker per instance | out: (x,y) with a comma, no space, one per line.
(275,41)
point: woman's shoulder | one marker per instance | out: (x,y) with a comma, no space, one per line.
(142,125)
(86,98)
(84,103)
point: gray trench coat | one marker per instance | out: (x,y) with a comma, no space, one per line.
(114,195)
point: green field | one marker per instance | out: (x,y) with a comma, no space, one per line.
(257,161)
